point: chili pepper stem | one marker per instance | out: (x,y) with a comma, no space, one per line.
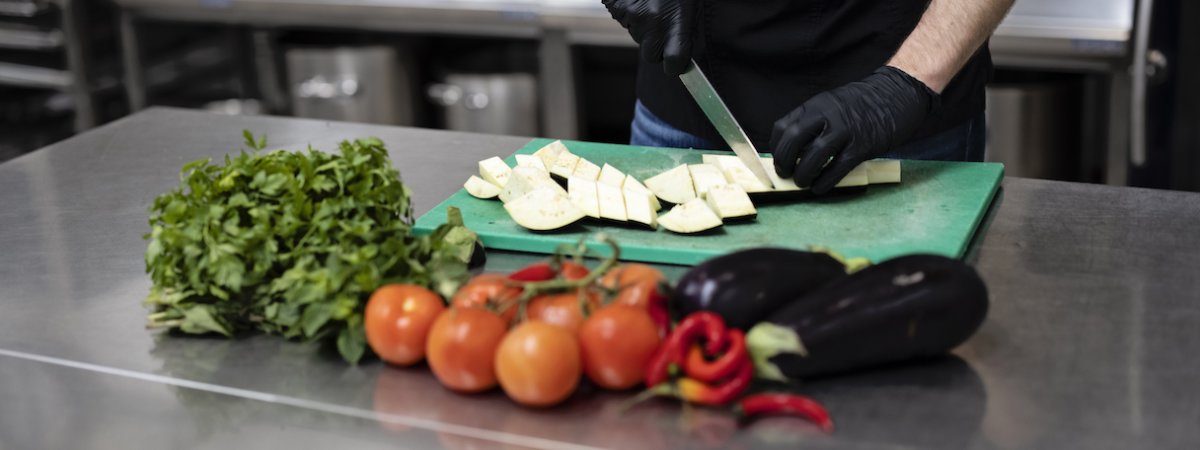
(659,390)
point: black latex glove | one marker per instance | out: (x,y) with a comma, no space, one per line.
(849,124)
(663,29)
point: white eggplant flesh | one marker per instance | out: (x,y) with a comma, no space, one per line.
(882,171)
(633,183)
(495,171)
(543,210)
(564,166)
(479,188)
(586,169)
(611,176)
(612,203)
(858,176)
(730,202)
(736,172)
(691,217)
(525,179)
(705,177)
(549,153)
(674,186)
(638,207)
(781,184)
(582,193)
(531,161)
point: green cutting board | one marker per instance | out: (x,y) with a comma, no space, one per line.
(935,209)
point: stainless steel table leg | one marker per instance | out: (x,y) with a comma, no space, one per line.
(131,59)
(560,118)
(267,71)
(74,18)
(1117,169)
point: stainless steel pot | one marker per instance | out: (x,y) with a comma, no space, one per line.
(488,103)
(358,84)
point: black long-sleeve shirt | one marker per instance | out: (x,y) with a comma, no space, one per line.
(766,57)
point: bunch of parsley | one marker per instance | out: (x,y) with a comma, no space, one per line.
(292,243)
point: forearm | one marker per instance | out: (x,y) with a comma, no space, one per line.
(946,37)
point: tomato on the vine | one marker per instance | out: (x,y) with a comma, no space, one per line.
(462,348)
(562,310)
(617,342)
(637,284)
(490,291)
(572,271)
(538,364)
(397,321)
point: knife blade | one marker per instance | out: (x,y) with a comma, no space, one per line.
(704,94)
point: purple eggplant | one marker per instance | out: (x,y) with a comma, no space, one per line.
(905,308)
(744,287)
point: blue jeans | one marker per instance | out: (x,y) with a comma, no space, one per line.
(965,142)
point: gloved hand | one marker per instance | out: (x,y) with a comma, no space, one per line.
(848,125)
(663,29)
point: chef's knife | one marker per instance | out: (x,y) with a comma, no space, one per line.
(726,125)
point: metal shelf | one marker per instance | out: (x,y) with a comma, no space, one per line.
(17,36)
(22,8)
(34,77)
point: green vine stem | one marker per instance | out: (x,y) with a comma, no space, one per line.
(531,289)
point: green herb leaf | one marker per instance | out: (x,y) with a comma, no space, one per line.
(292,243)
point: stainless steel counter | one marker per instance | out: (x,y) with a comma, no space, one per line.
(1090,341)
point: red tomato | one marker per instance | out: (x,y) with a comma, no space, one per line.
(638,284)
(462,348)
(572,271)
(490,291)
(397,320)
(538,364)
(617,343)
(562,310)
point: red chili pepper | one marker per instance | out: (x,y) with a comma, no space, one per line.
(695,366)
(698,392)
(797,405)
(544,271)
(702,324)
(534,272)
(662,319)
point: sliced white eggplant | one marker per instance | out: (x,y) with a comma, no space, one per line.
(638,207)
(543,209)
(612,202)
(495,171)
(674,185)
(549,153)
(691,217)
(582,193)
(730,202)
(564,166)
(881,171)
(610,175)
(586,169)
(531,161)
(705,177)
(633,183)
(525,179)
(858,176)
(479,188)
(736,172)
